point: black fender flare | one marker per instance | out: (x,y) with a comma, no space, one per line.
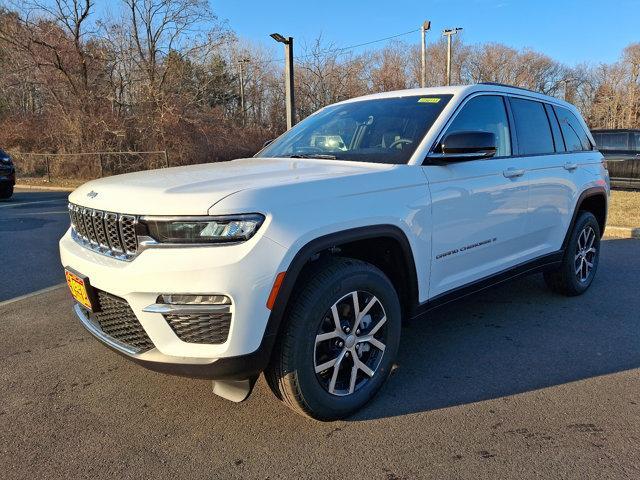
(589,192)
(309,250)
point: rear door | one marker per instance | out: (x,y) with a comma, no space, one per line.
(551,187)
(478,206)
(552,145)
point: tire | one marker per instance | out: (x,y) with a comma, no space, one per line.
(293,373)
(6,192)
(566,279)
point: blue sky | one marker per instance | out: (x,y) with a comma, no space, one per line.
(571,31)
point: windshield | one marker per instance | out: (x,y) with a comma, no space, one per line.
(386,130)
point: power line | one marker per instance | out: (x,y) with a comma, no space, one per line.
(341,50)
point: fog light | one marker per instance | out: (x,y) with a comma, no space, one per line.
(179,299)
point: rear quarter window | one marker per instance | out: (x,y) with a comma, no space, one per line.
(575,138)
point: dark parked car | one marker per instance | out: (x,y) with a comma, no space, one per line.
(621,149)
(7,175)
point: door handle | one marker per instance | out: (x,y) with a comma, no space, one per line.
(570,166)
(513,172)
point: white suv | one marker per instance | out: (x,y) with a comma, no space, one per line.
(303,261)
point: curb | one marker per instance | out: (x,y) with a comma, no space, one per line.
(43,187)
(622,232)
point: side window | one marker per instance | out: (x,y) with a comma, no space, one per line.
(574,135)
(555,129)
(613,141)
(636,138)
(485,113)
(532,127)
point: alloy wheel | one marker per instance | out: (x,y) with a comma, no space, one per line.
(585,254)
(350,343)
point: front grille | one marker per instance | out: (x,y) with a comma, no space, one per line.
(200,327)
(117,320)
(109,233)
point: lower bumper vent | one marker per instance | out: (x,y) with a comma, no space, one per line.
(200,327)
(117,320)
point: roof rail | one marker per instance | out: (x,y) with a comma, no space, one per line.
(497,84)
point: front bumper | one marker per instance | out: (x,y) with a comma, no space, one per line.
(229,368)
(243,272)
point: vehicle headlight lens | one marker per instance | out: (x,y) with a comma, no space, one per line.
(234,228)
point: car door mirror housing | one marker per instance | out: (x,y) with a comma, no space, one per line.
(464,146)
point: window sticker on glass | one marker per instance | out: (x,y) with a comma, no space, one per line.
(428,100)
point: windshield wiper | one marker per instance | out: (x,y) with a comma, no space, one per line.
(320,156)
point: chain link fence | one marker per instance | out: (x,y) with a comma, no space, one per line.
(85,166)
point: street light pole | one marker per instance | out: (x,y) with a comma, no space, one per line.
(288,73)
(449,33)
(423,73)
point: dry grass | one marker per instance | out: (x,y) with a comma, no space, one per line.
(624,209)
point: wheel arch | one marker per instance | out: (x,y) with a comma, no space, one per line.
(347,241)
(592,200)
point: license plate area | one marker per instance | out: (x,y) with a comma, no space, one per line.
(81,290)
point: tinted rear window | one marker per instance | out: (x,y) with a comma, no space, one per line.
(574,135)
(532,127)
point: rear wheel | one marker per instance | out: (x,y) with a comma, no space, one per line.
(339,342)
(580,260)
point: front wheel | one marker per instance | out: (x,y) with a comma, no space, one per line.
(340,340)
(6,191)
(580,261)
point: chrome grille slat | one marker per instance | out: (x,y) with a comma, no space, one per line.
(113,231)
(98,227)
(128,233)
(109,233)
(87,217)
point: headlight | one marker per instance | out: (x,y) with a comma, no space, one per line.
(193,230)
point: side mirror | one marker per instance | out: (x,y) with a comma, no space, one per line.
(267,143)
(464,146)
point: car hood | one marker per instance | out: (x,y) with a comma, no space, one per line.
(194,189)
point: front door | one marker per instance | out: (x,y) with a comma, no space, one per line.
(479,207)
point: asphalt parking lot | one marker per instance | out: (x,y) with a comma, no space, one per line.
(514,382)
(31,222)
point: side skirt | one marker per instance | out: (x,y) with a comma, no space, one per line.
(533,266)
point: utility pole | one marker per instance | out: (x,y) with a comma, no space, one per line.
(288,73)
(242,107)
(449,33)
(423,73)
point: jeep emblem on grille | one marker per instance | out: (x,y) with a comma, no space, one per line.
(92,194)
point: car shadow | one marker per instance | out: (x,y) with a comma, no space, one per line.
(516,338)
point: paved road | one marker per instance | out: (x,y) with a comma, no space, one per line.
(515,382)
(31,223)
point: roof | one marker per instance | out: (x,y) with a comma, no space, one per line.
(464,90)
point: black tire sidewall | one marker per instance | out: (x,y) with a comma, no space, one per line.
(321,403)
(585,219)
